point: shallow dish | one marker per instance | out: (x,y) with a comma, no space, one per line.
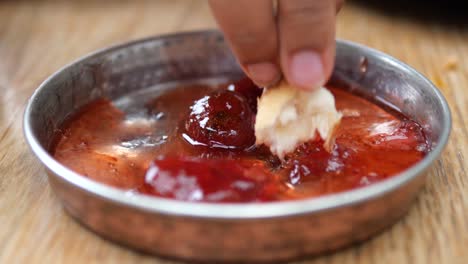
(227,232)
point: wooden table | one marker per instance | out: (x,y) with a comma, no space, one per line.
(38,37)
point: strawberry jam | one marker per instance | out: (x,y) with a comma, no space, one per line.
(226,180)
(222,119)
(196,143)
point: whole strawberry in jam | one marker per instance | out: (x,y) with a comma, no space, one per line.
(222,119)
(189,179)
(249,90)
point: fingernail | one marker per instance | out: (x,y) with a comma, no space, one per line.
(306,70)
(263,73)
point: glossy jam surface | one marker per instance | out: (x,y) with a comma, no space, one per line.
(196,143)
(221,119)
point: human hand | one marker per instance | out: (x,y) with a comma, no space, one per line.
(299,42)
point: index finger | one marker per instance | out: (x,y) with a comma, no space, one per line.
(250,29)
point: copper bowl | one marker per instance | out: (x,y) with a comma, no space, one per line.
(227,232)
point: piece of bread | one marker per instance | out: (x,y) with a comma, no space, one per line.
(288,116)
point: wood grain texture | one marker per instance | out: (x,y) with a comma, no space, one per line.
(38,37)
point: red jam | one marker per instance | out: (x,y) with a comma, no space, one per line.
(222,119)
(196,143)
(213,180)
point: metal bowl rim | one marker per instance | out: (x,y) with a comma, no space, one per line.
(232,211)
